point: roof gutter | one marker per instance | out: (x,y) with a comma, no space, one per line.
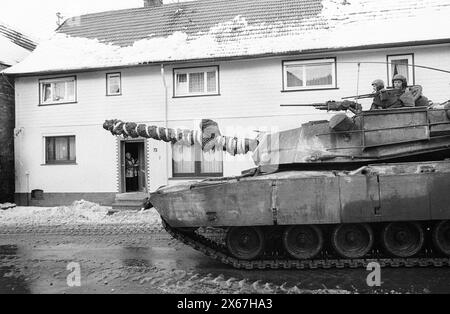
(245,57)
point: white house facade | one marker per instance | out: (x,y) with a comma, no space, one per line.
(63,151)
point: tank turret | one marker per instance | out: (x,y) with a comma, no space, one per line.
(343,142)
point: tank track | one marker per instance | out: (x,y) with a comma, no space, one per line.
(220,253)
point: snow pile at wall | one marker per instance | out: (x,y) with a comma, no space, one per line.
(342,23)
(7,205)
(80,212)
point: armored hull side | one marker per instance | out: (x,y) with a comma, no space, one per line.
(304,215)
(375,193)
(237,201)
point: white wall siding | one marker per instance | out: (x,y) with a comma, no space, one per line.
(250,98)
(253,88)
(94,171)
(142,96)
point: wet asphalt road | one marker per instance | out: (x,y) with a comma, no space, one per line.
(155,263)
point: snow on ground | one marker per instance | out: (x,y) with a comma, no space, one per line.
(80,212)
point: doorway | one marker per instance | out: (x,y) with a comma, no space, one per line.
(134,166)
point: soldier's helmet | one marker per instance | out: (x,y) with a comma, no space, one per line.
(379,84)
(399,77)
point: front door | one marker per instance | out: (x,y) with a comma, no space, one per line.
(133,166)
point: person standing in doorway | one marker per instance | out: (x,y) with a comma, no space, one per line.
(131,173)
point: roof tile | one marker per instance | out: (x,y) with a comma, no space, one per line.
(16,37)
(124,27)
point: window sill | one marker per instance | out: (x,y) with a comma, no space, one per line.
(58,103)
(108,95)
(192,178)
(61,164)
(307,89)
(188,96)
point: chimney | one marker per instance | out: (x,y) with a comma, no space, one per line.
(152,3)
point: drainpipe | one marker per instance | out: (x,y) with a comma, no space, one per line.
(166,108)
(27,173)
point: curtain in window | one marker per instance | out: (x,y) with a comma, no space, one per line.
(61,148)
(400,66)
(60,91)
(318,74)
(183,159)
(114,84)
(212,161)
(196,82)
(181,83)
(47,91)
(50,149)
(211,81)
(70,85)
(72,154)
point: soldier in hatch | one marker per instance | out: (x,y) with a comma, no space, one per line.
(400,96)
(408,96)
(378,86)
(390,98)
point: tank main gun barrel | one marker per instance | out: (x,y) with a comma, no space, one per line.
(209,136)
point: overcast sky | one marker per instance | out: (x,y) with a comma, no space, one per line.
(37,18)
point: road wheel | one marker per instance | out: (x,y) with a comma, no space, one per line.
(402,239)
(303,242)
(245,243)
(441,237)
(352,240)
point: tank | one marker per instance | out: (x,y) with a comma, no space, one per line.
(371,186)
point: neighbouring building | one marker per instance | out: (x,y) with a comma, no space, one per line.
(233,61)
(14,47)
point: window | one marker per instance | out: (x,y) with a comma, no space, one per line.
(60,150)
(401,64)
(309,74)
(196,81)
(58,90)
(113,84)
(191,161)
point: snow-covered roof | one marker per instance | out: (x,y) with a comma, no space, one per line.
(212,29)
(14,46)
